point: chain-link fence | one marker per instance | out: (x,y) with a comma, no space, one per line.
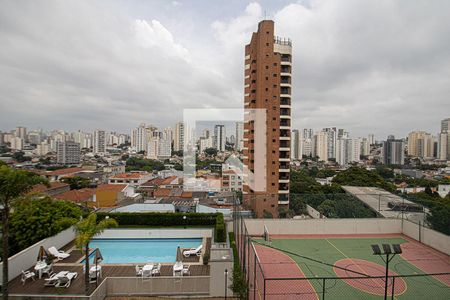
(261,285)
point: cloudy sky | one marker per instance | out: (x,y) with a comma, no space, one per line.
(378,67)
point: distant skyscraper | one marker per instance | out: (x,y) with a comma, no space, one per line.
(99,141)
(219,137)
(320,145)
(420,144)
(159,146)
(179,137)
(392,152)
(444,146)
(139,138)
(331,141)
(371,139)
(268,85)
(68,153)
(365,146)
(239,136)
(308,133)
(295,145)
(445,125)
(347,150)
(17,143)
(21,132)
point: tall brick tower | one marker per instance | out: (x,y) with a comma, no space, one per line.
(268,66)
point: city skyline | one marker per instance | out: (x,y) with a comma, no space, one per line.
(52,83)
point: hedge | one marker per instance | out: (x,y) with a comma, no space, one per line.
(170,219)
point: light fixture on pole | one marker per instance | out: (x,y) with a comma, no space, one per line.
(184,221)
(387,250)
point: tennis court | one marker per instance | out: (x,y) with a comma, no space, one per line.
(343,267)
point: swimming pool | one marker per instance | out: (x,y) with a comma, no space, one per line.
(122,251)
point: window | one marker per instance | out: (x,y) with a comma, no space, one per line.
(267,67)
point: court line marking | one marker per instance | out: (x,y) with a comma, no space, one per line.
(362,270)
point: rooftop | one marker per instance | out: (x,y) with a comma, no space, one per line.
(63,171)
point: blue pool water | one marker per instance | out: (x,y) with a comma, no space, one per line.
(122,251)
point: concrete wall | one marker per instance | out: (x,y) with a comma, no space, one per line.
(217,279)
(427,236)
(323,226)
(154,233)
(27,258)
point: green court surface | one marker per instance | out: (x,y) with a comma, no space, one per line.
(331,250)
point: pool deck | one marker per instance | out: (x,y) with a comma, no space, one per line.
(77,286)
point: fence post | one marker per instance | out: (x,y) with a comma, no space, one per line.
(254,279)
(393,288)
(323,288)
(420,232)
(264,289)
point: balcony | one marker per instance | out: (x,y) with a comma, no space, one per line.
(285,123)
(285,101)
(285,112)
(286,58)
(285,69)
(282,41)
(284,144)
(285,80)
(284,165)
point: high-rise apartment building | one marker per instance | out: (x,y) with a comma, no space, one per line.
(159,146)
(295,145)
(320,145)
(239,142)
(365,146)
(179,137)
(392,152)
(308,133)
(371,139)
(17,143)
(220,137)
(445,125)
(21,132)
(139,138)
(420,144)
(347,150)
(99,141)
(68,153)
(331,140)
(267,86)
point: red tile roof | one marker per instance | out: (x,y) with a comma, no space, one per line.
(77,196)
(169,180)
(40,188)
(162,192)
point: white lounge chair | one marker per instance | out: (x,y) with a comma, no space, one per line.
(60,255)
(138,270)
(157,270)
(95,273)
(27,275)
(52,280)
(193,251)
(65,281)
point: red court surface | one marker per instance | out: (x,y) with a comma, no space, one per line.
(427,259)
(276,264)
(373,286)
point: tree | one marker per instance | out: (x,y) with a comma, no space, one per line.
(13,184)
(20,157)
(327,208)
(86,229)
(34,219)
(76,182)
(211,151)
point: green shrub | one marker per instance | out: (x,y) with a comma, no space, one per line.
(221,232)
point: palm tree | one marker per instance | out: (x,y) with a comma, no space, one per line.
(86,229)
(13,184)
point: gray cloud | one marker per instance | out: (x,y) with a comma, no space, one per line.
(366,66)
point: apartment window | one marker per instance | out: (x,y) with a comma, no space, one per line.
(267,89)
(274,85)
(273,140)
(267,44)
(275,75)
(267,32)
(273,184)
(274,119)
(267,67)
(275,64)
(267,78)
(273,173)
